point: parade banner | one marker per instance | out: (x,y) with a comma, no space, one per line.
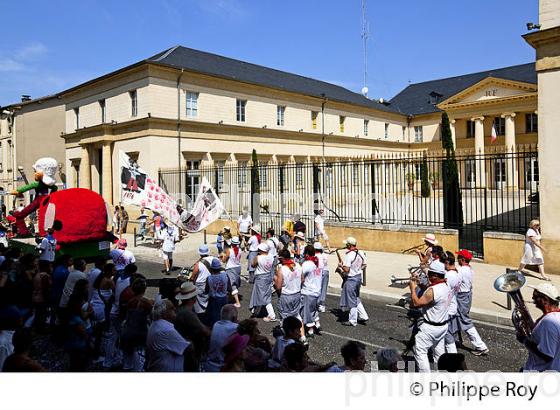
(206,209)
(137,188)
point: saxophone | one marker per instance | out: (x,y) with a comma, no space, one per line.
(511,283)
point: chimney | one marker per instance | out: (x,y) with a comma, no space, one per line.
(25,98)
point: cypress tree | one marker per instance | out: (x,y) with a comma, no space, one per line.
(452,199)
(425,177)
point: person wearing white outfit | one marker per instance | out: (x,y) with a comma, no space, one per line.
(353,267)
(434,303)
(533,250)
(262,289)
(464,302)
(454,283)
(544,343)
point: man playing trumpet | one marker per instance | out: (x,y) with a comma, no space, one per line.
(544,342)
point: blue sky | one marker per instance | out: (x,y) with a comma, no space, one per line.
(49,46)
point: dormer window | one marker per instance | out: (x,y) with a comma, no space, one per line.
(435,98)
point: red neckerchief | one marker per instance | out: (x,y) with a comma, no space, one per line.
(542,317)
(313,259)
(259,238)
(437,282)
(235,250)
(352,249)
(289,263)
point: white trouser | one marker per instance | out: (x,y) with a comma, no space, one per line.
(451,348)
(358,313)
(429,337)
(270,311)
(475,339)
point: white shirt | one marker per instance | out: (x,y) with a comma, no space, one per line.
(203,271)
(356,261)
(438,311)
(253,243)
(466,277)
(264,264)
(47,248)
(121,258)
(323,261)
(454,284)
(92,274)
(532,233)
(313,275)
(6,346)
(164,348)
(169,237)
(71,280)
(233,260)
(291,279)
(547,337)
(319,224)
(272,246)
(244,223)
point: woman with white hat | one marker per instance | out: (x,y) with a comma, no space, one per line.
(425,256)
(533,250)
(253,244)
(232,259)
(262,289)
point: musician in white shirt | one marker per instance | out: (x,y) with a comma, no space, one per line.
(353,266)
(544,343)
(320,229)
(435,314)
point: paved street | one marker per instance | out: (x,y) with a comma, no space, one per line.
(388,326)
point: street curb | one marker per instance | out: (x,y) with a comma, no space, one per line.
(488,317)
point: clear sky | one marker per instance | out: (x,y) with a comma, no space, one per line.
(48,46)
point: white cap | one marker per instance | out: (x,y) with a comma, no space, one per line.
(256,228)
(547,289)
(263,247)
(318,246)
(437,267)
(350,241)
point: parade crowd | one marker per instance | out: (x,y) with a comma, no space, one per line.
(102,319)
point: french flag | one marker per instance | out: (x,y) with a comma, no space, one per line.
(493,137)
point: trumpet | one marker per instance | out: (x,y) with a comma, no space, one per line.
(416,273)
(511,283)
(414,248)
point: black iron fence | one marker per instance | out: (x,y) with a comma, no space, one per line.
(498,190)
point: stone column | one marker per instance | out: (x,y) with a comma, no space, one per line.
(479,151)
(453,137)
(511,161)
(85,168)
(107,171)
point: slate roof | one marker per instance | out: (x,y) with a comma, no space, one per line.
(415,99)
(216,65)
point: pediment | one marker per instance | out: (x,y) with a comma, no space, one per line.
(490,89)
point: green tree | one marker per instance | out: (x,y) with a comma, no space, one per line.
(452,199)
(255,187)
(425,177)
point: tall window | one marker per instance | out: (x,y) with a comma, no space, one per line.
(299,174)
(500,125)
(240,110)
(386,130)
(470,129)
(314,115)
(220,174)
(192,104)
(102,109)
(242,174)
(366,128)
(133,103)
(280,109)
(418,133)
(341,121)
(263,176)
(77,116)
(403,132)
(531,123)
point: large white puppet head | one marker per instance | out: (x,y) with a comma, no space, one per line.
(45,170)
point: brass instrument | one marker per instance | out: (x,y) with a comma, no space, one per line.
(511,283)
(338,269)
(414,248)
(416,273)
